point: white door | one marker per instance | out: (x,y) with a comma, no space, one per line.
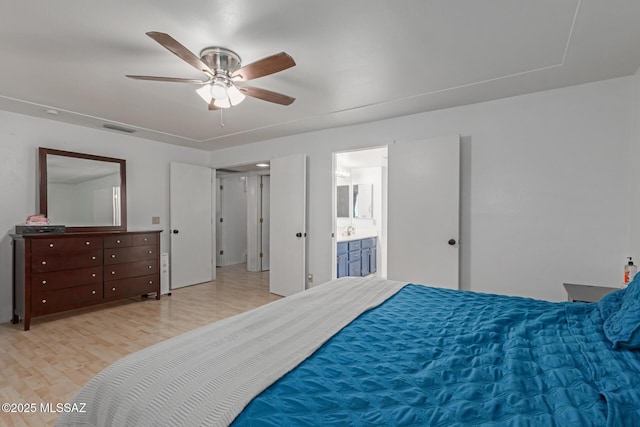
(218,225)
(233,220)
(265,195)
(423,211)
(287,234)
(191,208)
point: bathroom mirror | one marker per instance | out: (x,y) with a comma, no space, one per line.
(82,191)
(342,201)
(363,201)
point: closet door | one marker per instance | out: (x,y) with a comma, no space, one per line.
(265,201)
(288,225)
(424,211)
(191,208)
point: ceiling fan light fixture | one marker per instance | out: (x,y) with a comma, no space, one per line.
(235,96)
(205,93)
(219,90)
(222,103)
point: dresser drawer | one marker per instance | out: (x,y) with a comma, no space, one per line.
(130,269)
(133,253)
(144,239)
(131,287)
(72,244)
(66,299)
(354,255)
(117,241)
(65,279)
(42,262)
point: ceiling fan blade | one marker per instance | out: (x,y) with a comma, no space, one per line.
(266,95)
(212,106)
(264,67)
(166,79)
(179,50)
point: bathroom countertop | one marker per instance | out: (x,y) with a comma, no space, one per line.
(355,237)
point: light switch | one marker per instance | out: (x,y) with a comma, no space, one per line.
(155,220)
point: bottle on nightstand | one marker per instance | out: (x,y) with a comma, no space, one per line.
(630,270)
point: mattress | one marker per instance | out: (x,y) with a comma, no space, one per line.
(373,352)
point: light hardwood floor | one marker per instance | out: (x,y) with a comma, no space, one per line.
(53,360)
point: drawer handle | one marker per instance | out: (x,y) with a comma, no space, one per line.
(145,239)
(117,241)
(113,289)
(93,275)
(149,266)
(87,242)
(44,262)
(93,292)
(44,282)
(113,272)
(151,282)
(93,257)
(50,245)
(150,252)
(113,255)
(44,301)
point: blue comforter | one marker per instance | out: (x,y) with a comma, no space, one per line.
(437,357)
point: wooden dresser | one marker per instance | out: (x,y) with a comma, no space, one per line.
(59,272)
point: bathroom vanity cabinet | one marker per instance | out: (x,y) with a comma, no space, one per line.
(357,257)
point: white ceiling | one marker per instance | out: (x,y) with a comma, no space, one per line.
(357,60)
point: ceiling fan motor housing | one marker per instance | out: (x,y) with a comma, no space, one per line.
(220,60)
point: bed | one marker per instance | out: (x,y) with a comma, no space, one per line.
(372,352)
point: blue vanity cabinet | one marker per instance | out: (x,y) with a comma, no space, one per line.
(368,256)
(357,257)
(365,261)
(373,265)
(343,257)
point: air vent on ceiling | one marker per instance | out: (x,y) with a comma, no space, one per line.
(118,128)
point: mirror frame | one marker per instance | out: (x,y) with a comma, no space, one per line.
(42,170)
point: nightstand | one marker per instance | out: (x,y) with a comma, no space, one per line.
(586,293)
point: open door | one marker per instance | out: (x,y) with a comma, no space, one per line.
(218,225)
(191,207)
(424,211)
(265,198)
(288,224)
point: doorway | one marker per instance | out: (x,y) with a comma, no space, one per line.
(420,220)
(360,210)
(242,217)
(284,236)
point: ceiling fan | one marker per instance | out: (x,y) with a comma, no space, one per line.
(224,70)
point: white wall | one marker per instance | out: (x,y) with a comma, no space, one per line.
(147,177)
(634,191)
(545,185)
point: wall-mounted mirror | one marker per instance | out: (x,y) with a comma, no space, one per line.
(82,191)
(342,201)
(363,201)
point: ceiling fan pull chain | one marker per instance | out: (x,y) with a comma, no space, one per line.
(221,124)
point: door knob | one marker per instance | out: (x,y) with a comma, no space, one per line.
(175,231)
(452,242)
